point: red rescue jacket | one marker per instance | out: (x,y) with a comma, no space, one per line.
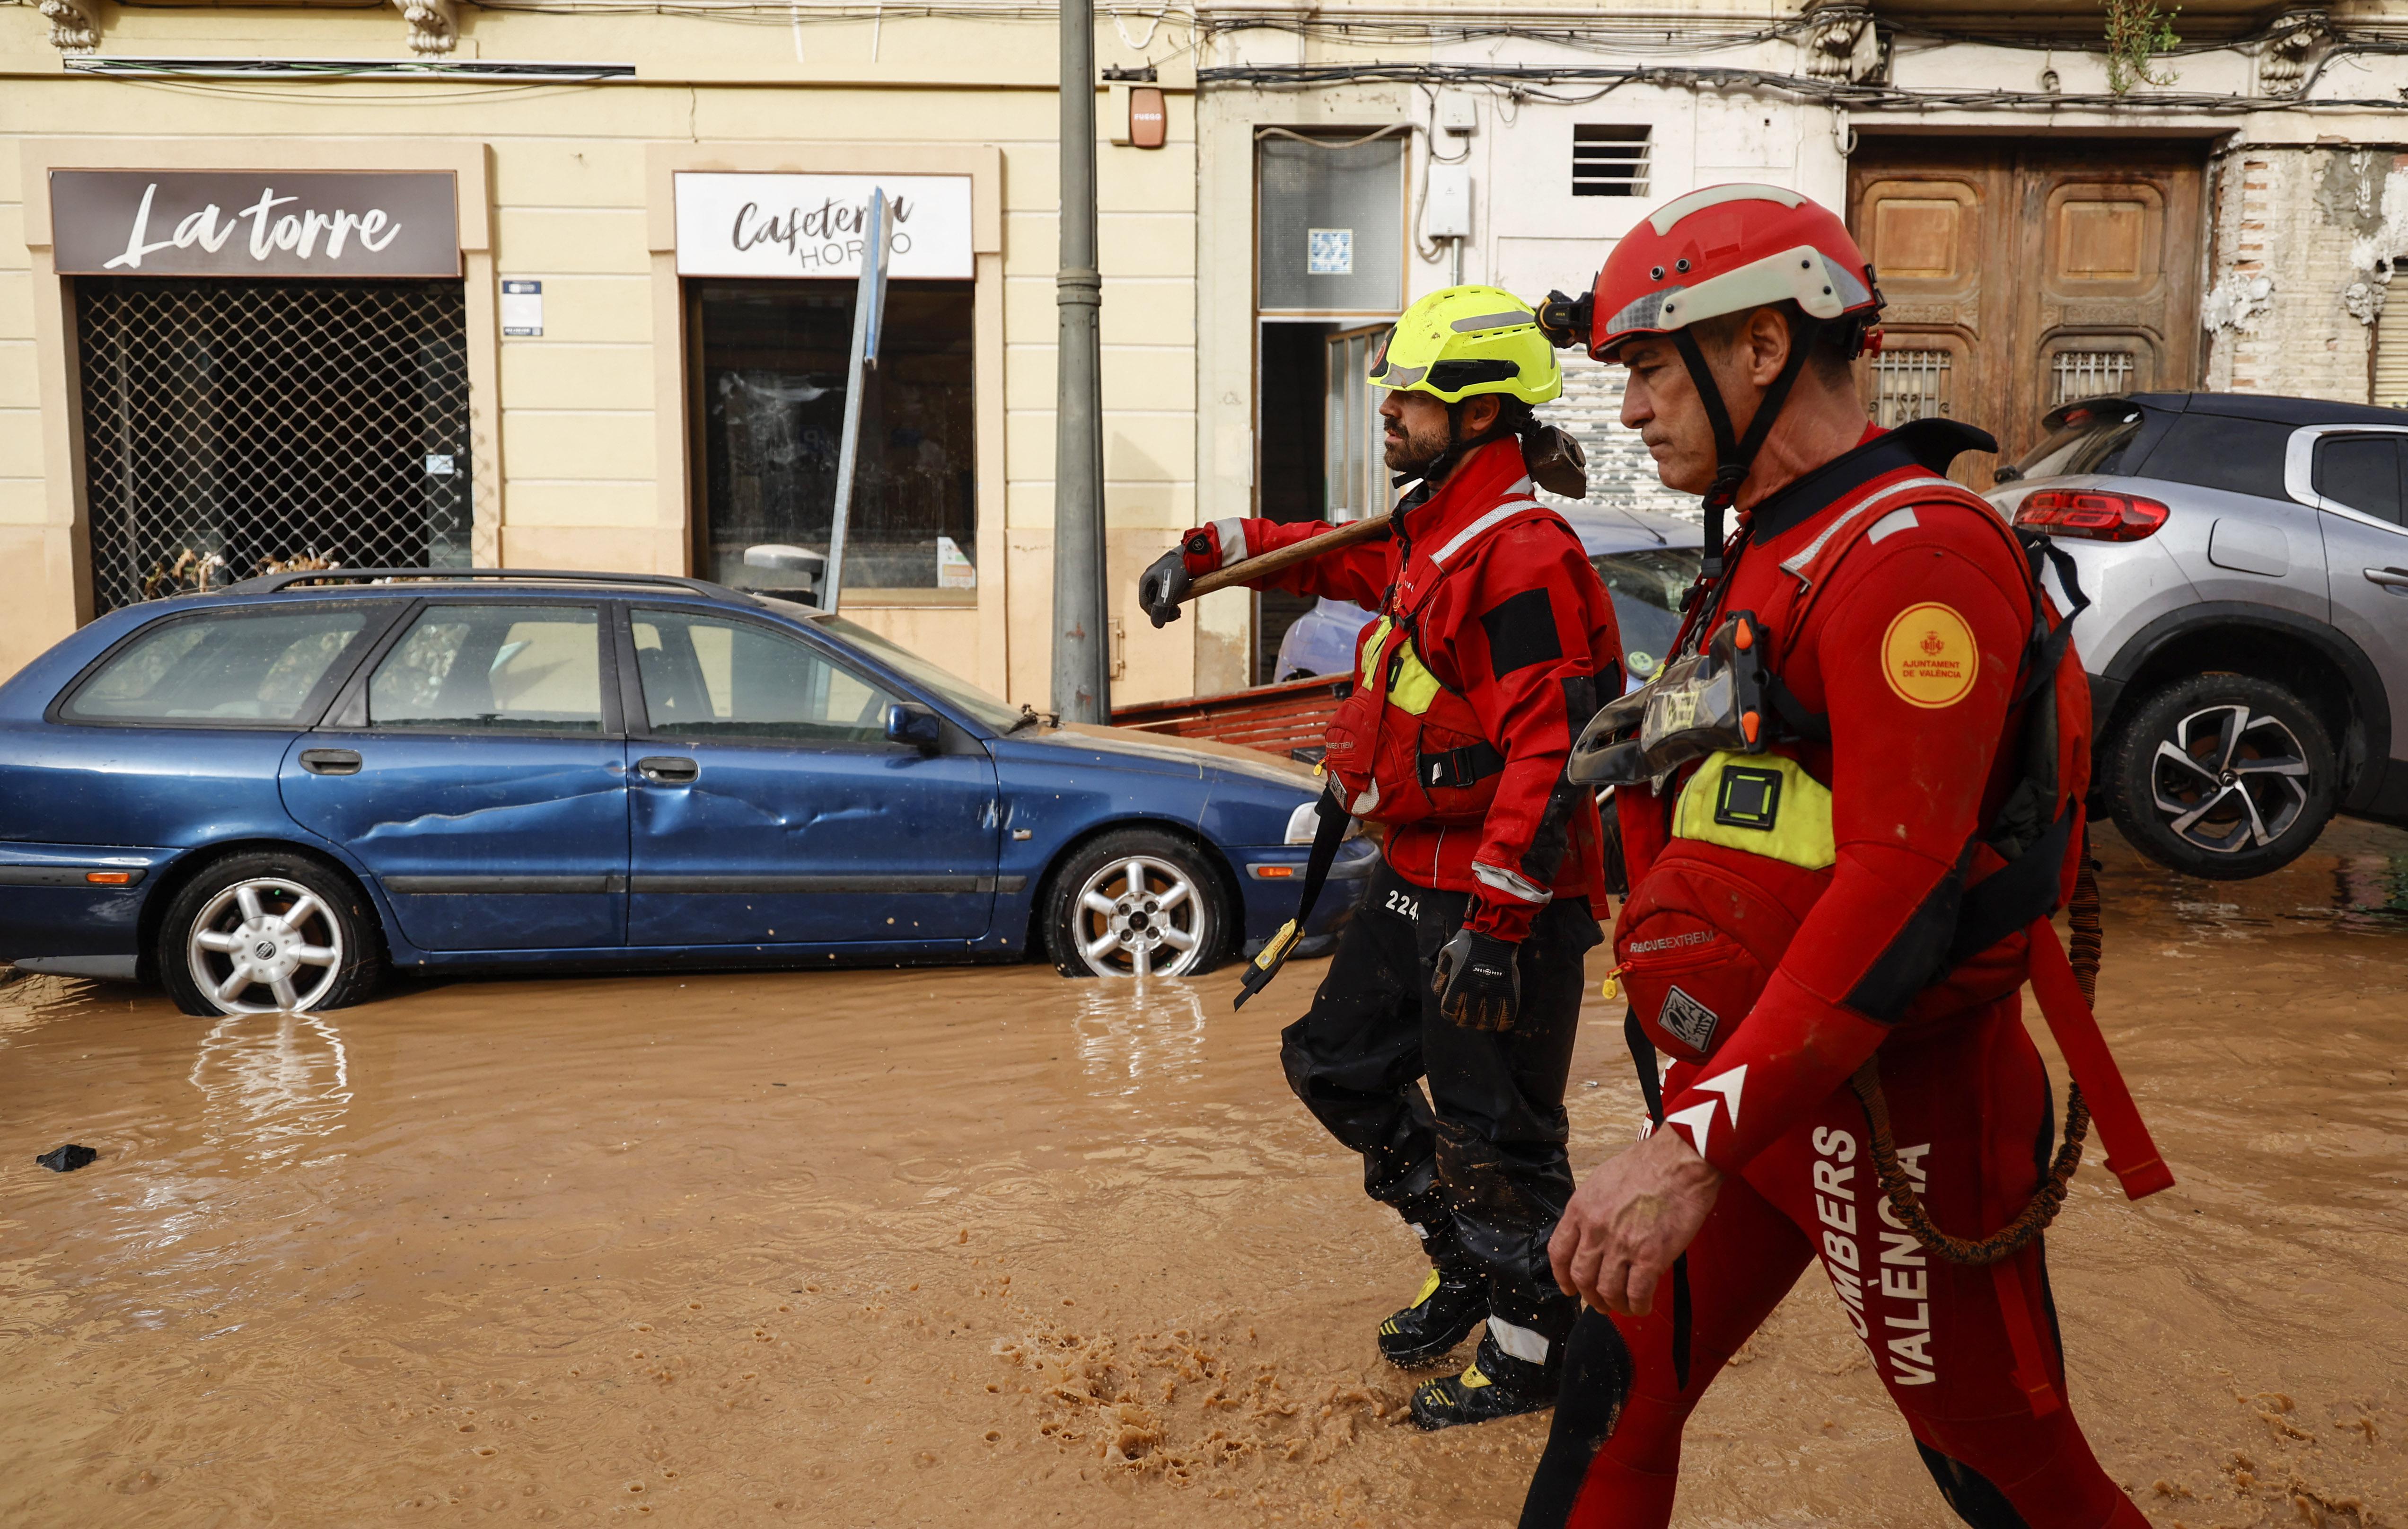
(1495,645)
(1790,910)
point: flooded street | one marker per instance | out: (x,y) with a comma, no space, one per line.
(984,1247)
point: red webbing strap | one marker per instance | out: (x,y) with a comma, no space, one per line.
(2030,1373)
(2131,1156)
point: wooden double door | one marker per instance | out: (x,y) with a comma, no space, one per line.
(2023,274)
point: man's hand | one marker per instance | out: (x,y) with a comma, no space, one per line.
(1630,1220)
(1162,587)
(1477,981)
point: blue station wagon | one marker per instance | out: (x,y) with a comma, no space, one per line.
(265,798)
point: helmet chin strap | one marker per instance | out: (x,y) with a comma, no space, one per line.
(1735,455)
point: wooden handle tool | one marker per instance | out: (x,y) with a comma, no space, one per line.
(1288,557)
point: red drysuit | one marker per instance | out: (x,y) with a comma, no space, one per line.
(1912,645)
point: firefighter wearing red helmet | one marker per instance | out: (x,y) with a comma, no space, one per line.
(1494,645)
(1849,802)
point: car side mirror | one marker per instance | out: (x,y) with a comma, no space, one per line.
(909,722)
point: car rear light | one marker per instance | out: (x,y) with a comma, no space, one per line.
(2090,515)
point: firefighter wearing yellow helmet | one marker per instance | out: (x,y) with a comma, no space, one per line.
(1494,645)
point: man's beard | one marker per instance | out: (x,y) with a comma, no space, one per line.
(1415,454)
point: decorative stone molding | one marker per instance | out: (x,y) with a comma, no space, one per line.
(75,28)
(434,25)
(2284,57)
(1844,47)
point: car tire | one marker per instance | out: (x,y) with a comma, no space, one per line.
(307,936)
(2223,776)
(1136,902)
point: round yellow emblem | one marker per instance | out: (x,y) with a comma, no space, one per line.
(1929,656)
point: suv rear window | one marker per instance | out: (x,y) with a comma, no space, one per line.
(2085,438)
(232,666)
(2218,450)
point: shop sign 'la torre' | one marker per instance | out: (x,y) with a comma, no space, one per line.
(240,223)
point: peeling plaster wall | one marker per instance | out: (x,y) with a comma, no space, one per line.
(2304,242)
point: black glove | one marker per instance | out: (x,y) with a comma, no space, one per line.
(1477,980)
(1162,587)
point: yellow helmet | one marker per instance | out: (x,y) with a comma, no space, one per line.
(1459,342)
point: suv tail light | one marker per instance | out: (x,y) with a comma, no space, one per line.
(2090,515)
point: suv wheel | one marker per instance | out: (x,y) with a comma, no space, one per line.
(267,933)
(2222,776)
(1136,902)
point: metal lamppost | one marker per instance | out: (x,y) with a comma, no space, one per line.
(1082,656)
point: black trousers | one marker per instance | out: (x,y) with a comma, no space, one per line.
(1478,1164)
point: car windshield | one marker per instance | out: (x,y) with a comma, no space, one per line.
(2083,438)
(902,660)
(1646,587)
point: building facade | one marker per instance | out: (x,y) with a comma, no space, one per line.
(571,284)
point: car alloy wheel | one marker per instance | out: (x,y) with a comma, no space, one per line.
(266,945)
(2230,779)
(1140,917)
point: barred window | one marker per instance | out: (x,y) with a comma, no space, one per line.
(1609,159)
(2089,374)
(235,428)
(1909,385)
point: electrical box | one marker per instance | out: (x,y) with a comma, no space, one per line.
(1447,213)
(1458,112)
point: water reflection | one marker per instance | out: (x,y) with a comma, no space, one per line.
(271,1083)
(1133,1033)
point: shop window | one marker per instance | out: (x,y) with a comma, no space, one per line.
(772,358)
(1332,225)
(235,428)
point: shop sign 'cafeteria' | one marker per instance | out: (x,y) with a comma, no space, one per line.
(254,222)
(778,224)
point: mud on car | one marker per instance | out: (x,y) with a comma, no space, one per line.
(268,796)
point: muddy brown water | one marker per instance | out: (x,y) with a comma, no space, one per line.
(984,1247)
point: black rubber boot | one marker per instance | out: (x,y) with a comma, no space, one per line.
(1452,1302)
(1493,1385)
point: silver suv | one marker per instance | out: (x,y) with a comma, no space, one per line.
(2246,559)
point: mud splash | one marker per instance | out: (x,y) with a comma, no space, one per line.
(983,1247)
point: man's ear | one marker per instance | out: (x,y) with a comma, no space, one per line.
(1480,413)
(1768,340)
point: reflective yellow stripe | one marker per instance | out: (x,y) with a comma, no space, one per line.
(1368,674)
(1761,804)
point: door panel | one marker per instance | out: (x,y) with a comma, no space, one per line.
(768,807)
(2024,276)
(476,773)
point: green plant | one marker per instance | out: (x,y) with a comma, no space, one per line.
(2137,32)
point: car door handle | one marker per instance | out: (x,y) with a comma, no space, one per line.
(2390,578)
(330,761)
(668,769)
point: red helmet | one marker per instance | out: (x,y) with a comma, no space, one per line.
(1725,250)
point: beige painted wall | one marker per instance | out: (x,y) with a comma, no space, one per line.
(579,432)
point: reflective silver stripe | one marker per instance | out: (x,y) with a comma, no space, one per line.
(1511,884)
(1796,565)
(1233,540)
(1520,1342)
(1891,524)
(1487,521)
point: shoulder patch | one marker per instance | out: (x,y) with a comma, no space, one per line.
(1522,633)
(1929,657)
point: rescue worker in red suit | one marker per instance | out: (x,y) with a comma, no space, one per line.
(1494,645)
(1899,614)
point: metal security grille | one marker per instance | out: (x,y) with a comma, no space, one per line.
(1608,160)
(238,427)
(1910,384)
(2087,374)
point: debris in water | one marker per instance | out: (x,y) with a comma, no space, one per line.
(67,1158)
